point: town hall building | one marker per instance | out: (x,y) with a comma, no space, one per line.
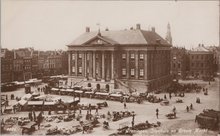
(135,58)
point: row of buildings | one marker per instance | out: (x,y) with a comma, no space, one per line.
(137,58)
(200,62)
(26,63)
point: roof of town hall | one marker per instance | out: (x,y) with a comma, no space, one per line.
(122,37)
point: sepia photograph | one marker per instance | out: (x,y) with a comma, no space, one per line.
(110,68)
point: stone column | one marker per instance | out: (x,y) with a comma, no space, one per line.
(69,63)
(146,65)
(112,66)
(83,64)
(136,65)
(76,64)
(127,65)
(94,64)
(90,64)
(103,66)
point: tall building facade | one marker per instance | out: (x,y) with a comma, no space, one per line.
(6,65)
(135,57)
(179,62)
(201,62)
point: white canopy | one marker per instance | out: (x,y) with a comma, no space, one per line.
(116,95)
(27,96)
(55,89)
(100,93)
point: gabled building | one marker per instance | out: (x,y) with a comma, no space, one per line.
(138,58)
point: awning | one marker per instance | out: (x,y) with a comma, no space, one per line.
(116,95)
(55,89)
(35,102)
(22,102)
(89,92)
(27,96)
(99,93)
(78,91)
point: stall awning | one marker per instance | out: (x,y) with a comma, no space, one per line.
(55,89)
(78,91)
(99,93)
(22,102)
(116,95)
(26,96)
(35,102)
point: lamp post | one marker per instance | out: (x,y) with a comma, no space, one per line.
(132,122)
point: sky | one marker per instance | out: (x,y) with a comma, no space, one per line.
(52,24)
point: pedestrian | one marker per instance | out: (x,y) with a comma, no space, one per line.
(165,97)
(174,109)
(157,114)
(191,106)
(49,111)
(157,110)
(34,115)
(132,123)
(96,110)
(170,95)
(125,105)
(22,131)
(80,111)
(14,108)
(30,116)
(187,108)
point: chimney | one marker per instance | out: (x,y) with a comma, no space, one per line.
(87,29)
(131,28)
(153,29)
(106,29)
(138,26)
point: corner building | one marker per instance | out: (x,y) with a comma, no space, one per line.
(134,58)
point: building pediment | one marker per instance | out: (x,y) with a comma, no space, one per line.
(99,40)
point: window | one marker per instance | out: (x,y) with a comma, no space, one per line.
(132,56)
(80,55)
(174,65)
(192,57)
(80,70)
(201,64)
(123,72)
(73,69)
(192,64)
(132,72)
(123,56)
(141,72)
(178,65)
(73,56)
(141,56)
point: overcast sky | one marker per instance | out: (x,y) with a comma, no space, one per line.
(53,24)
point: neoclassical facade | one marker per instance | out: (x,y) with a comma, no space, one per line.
(135,57)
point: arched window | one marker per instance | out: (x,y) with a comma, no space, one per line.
(107,87)
(98,86)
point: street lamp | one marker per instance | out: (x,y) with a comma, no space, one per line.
(133,115)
